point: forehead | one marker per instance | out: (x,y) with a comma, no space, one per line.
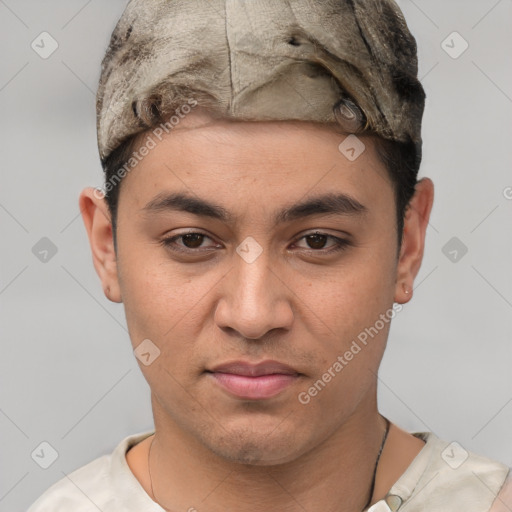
(267,162)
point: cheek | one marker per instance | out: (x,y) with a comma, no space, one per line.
(357,293)
(164,306)
(358,315)
(161,302)
(357,306)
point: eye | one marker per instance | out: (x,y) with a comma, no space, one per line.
(191,242)
(317,240)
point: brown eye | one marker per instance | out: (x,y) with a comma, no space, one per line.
(317,241)
(192,240)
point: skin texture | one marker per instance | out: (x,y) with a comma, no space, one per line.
(296,303)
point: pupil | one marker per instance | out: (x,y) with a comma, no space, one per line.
(196,237)
(315,239)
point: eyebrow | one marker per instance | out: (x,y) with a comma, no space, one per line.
(329,204)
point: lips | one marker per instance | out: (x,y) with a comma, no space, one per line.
(255,370)
(254,381)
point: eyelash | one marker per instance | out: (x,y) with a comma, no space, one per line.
(341,244)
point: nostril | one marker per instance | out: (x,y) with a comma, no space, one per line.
(293,41)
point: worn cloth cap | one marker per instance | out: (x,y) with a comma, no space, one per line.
(348,61)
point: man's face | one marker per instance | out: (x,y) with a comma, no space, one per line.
(254,287)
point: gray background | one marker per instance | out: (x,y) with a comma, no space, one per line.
(68,375)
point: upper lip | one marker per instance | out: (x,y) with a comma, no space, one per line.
(254,370)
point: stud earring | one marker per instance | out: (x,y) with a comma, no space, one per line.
(406,288)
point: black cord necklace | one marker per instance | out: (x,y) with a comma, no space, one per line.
(377,463)
(371,489)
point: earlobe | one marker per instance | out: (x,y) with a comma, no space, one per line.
(413,242)
(96,218)
(407,291)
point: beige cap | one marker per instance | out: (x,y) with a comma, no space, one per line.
(348,61)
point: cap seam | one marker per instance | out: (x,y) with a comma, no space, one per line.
(229,56)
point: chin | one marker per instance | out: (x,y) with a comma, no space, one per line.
(255,443)
(254,452)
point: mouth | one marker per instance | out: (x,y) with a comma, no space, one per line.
(260,381)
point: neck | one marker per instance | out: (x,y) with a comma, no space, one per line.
(337,474)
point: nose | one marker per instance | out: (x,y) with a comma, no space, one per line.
(255,299)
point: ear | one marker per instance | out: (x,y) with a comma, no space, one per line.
(413,242)
(96,217)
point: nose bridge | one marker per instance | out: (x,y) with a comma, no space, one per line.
(254,300)
(254,277)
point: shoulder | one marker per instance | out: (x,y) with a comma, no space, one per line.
(445,476)
(503,502)
(105,484)
(83,490)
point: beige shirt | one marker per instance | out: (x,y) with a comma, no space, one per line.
(443,477)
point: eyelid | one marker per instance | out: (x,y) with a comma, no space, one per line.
(340,243)
(324,233)
(168,242)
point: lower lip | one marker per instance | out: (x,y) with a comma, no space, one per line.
(254,388)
